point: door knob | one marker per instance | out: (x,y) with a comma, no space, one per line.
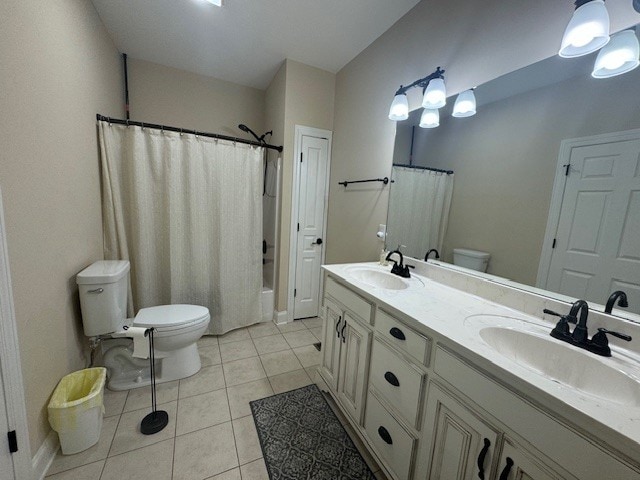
(317,242)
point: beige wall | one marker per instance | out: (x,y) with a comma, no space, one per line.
(168,96)
(59,68)
(505,161)
(309,101)
(474,42)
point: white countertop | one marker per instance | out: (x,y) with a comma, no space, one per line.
(441,310)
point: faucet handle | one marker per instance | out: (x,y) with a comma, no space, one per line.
(556,314)
(599,344)
(606,332)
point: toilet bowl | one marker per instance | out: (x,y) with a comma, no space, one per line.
(177,328)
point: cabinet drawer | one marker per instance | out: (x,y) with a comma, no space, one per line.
(397,381)
(392,442)
(403,338)
(347,298)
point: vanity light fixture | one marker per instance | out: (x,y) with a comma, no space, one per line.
(217,3)
(587,31)
(430,118)
(435,95)
(465,105)
(620,55)
(399,107)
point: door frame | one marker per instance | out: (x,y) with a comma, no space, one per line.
(559,184)
(300,131)
(11,373)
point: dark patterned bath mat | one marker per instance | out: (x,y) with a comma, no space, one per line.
(301,438)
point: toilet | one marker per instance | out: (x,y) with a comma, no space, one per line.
(103,290)
(472,259)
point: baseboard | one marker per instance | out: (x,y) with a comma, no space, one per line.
(44,456)
(280,318)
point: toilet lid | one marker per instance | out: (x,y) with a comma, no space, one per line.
(170,315)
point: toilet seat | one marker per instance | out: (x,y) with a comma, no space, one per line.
(166,318)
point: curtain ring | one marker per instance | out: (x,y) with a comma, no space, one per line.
(127,123)
(142,125)
(181,134)
(162,129)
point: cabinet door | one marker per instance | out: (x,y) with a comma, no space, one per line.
(354,363)
(333,323)
(516,463)
(463,444)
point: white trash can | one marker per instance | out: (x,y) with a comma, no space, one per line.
(76,409)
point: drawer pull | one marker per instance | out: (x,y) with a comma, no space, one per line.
(392,379)
(337,325)
(397,333)
(384,435)
(344,340)
(507,470)
(481,457)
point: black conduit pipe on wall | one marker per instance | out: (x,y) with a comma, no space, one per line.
(126,86)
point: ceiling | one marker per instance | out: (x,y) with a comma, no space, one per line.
(245,41)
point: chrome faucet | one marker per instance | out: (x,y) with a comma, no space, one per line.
(618,296)
(433,250)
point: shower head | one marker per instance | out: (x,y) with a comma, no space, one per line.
(244,128)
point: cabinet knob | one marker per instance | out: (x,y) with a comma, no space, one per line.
(397,333)
(507,470)
(384,435)
(392,379)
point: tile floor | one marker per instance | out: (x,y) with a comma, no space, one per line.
(211,433)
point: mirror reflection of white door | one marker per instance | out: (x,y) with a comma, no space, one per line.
(310,228)
(597,242)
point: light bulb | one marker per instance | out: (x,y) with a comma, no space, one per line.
(435,96)
(620,55)
(399,108)
(430,118)
(465,105)
(587,31)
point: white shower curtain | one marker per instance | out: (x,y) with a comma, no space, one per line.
(418,210)
(186,211)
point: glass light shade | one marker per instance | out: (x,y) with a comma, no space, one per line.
(430,118)
(435,96)
(465,105)
(620,55)
(588,30)
(399,108)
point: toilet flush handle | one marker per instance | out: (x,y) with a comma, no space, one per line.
(97,290)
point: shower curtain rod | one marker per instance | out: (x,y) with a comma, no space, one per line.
(184,130)
(448,172)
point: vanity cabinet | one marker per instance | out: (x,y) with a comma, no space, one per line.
(464,445)
(346,347)
(427,411)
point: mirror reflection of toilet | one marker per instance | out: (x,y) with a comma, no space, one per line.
(103,299)
(473,259)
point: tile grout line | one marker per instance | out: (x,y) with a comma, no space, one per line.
(233,431)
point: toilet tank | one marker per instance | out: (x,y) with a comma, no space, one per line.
(103,290)
(472,259)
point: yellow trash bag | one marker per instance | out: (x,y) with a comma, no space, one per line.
(76,409)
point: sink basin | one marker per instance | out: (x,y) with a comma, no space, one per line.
(564,364)
(376,278)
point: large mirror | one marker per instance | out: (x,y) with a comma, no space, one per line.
(509,196)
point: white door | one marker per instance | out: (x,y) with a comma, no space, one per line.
(597,242)
(6,462)
(311,208)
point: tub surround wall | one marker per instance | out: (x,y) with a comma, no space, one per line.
(475,42)
(60,69)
